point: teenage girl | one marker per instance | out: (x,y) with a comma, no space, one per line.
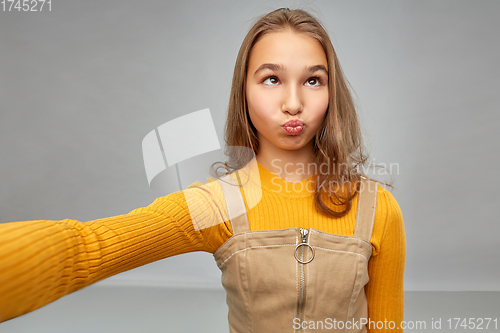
(291,106)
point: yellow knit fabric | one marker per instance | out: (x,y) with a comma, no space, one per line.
(43,260)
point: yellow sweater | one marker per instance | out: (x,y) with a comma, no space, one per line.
(43,260)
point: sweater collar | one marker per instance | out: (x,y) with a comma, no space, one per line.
(275,184)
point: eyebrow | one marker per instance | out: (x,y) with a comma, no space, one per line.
(281,68)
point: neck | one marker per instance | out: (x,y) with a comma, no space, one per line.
(291,165)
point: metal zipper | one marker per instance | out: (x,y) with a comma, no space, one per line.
(304,233)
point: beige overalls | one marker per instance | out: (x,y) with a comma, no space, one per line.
(295,279)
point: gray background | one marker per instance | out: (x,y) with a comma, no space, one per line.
(83,84)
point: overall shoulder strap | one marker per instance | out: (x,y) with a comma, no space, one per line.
(235,205)
(367,203)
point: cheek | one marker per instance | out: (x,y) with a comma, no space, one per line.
(320,105)
(259,106)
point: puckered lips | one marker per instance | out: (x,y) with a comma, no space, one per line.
(294,126)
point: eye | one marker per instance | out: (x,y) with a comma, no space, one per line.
(273,79)
(315,79)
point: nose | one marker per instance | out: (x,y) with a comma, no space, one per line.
(292,102)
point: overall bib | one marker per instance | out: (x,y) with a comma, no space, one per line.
(295,279)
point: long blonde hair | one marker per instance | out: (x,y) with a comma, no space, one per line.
(338,142)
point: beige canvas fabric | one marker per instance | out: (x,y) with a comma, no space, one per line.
(289,281)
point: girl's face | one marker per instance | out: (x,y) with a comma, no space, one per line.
(287,79)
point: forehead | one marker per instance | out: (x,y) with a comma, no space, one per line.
(289,48)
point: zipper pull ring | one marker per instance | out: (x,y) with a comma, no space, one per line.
(304,233)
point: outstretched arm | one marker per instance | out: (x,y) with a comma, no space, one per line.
(43,260)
